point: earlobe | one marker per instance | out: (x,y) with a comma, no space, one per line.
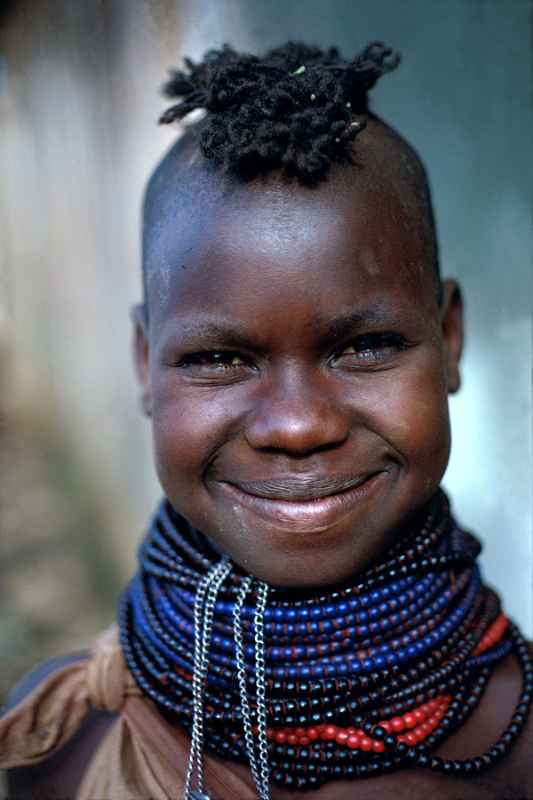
(141,356)
(452,332)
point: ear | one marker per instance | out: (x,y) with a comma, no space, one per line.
(141,355)
(451,314)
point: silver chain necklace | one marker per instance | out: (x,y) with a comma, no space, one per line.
(204,607)
(258,766)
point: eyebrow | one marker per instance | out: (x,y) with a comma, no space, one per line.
(343,325)
(330,329)
(211,331)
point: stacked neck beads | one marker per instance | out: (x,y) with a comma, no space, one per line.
(361,681)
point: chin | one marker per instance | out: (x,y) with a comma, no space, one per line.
(309,571)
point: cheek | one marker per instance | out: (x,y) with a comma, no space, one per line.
(188,426)
(413,416)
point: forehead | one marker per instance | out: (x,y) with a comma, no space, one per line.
(364,226)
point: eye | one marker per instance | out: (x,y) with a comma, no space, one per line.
(371,349)
(213,361)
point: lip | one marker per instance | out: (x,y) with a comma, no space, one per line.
(311,507)
(300,487)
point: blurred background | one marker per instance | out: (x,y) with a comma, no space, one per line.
(79,102)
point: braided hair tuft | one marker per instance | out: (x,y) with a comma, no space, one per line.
(299,108)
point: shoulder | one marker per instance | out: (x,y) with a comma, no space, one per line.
(514,773)
(35,676)
(520,754)
(511,778)
(60,774)
(521,758)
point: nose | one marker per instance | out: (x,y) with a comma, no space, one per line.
(297,414)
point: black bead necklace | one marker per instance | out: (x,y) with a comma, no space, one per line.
(367,679)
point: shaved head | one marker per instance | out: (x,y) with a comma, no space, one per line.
(187,192)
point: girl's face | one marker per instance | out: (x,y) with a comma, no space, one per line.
(297,372)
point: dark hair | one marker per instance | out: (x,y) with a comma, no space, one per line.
(297,108)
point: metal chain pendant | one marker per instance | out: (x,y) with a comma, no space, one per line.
(241,677)
(260,689)
(204,608)
(258,766)
(203,615)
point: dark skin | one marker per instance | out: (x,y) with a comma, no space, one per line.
(296,368)
(345,381)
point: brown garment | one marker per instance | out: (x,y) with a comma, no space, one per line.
(141,757)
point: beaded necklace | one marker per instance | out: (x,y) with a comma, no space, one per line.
(361,681)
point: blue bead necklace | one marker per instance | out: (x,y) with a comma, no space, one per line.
(363,680)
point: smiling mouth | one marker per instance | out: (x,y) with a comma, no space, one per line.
(303,505)
(298,487)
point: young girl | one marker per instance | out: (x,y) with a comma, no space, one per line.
(307,619)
